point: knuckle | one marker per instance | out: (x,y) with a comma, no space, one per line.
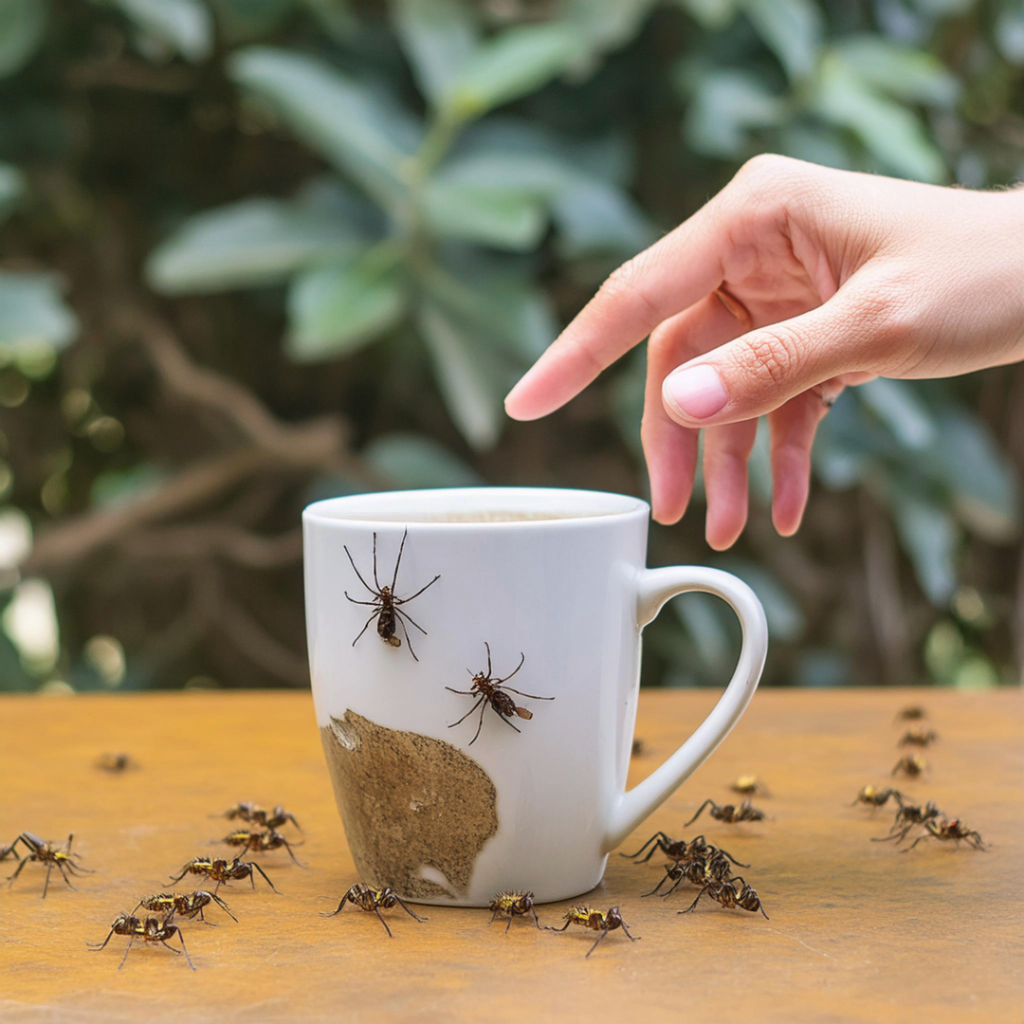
(771,356)
(626,286)
(890,323)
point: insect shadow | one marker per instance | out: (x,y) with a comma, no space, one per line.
(386,606)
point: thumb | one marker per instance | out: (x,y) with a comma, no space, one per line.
(764,368)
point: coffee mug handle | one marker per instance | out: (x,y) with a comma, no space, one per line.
(656,586)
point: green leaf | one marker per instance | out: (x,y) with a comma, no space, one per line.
(595,218)
(250,243)
(413,461)
(245,20)
(903,72)
(470,379)
(725,106)
(896,404)
(710,14)
(513,220)
(183,25)
(12,188)
(345,120)
(507,309)
(439,36)
(120,487)
(785,619)
(605,25)
(510,65)
(889,131)
(33,314)
(22,23)
(791,29)
(704,618)
(929,536)
(340,307)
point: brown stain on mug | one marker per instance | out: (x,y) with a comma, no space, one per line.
(409,802)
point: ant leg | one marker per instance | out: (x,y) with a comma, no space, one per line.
(412,597)
(632,938)
(761,908)
(358,573)
(480,724)
(658,886)
(334,913)
(288,847)
(552,928)
(522,658)
(642,848)
(366,626)
(509,925)
(376,910)
(536,919)
(265,879)
(409,618)
(126,948)
(401,903)
(401,622)
(181,939)
(693,905)
(465,693)
(65,877)
(531,696)
(376,604)
(18,870)
(487,647)
(701,811)
(600,938)
(468,713)
(177,878)
(46,884)
(375,580)
(493,917)
(508,722)
(398,561)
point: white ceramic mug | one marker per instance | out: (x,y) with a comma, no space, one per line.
(553,577)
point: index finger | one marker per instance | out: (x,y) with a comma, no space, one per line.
(660,282)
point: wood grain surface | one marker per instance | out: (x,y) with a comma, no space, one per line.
(858,931)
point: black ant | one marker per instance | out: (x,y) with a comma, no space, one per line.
(220,871)
(949,831)
(907,817)
(44,852)
(491,693)
(596,921)
(874,797)
(678,849)
(729,813)
(260,842)
(513,905)
(150,930)
(733,892)
(248,811)
(385,604)
(116,763)
(700,870)
(184,905)
(914,713)
(918,738)
(372,899)
(911,765)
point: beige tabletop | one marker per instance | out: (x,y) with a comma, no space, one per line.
(858,930)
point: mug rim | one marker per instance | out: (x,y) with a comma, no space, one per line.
(568,507)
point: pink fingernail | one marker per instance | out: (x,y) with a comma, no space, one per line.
(697,392)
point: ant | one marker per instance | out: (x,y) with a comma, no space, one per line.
(877,797)
(115,763)
(678,849)
(151,930)
(261,842)
(949,831)
(729,813)
(907,817)
(45,852)
(386,606)
(596,921)
(918,738)
(733,892)
(914,713)
(491,693)
(512,905)
(911,765)
(253,813)
(699,870)
(189,906)
(749,785)
(638,748)
(221,871)
(373,898)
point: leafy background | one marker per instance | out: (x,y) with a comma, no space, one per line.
(256,252)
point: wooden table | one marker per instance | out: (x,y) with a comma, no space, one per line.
(858,931)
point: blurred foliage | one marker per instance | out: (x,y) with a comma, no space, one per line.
(303,247)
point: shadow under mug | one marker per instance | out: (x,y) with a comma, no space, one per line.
(449,797)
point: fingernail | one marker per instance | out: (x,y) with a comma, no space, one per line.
(697,392)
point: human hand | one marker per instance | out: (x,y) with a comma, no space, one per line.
(791,283)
